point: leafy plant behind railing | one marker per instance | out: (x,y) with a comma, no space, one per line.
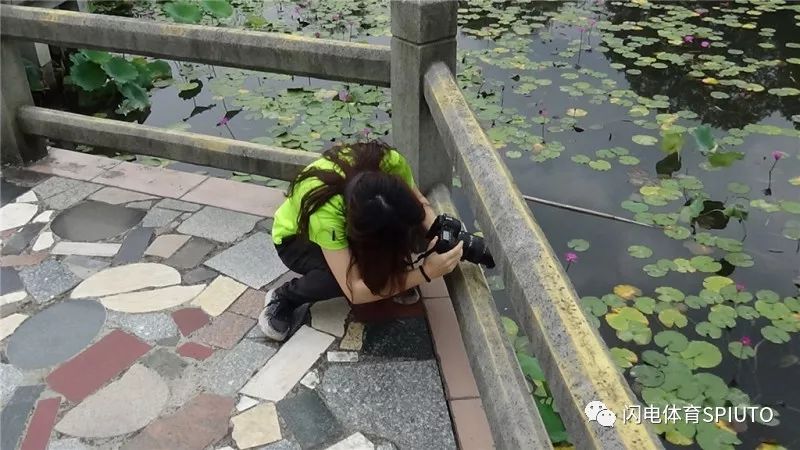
(185,11)
(541,393)
(102,73)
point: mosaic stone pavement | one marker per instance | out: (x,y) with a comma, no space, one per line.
(129,322)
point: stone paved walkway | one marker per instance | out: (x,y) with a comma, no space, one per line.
(128,322)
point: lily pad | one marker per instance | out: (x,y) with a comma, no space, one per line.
(702,354)
(640,251)
(643,139)
(579,245)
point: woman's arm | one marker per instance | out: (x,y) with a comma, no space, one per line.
(435,265)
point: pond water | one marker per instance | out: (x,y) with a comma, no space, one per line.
(684,116)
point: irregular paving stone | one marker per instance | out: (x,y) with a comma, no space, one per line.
(354,337)
(28,197)
(218,224)
(47,280)
(256,426)
(308,419)
(15,415)
(196,425)
(21,238)
(10,281)
(284,370)
(403,338)
(16,215)
(356,441)
(390,446)
(358,395)
(11,377)
(72,164)
(166,363)
(158,217)
(169,342)
(95,221)
(225,331)
(116,196)
(44,241)
(347,357)
(166,244)
(150,326)
(195,350)
(134,245)
(41,424)
(10,323)
(44,217)
(219,295)
(169,203)
(83,266)
(9,303)
(71,196)
(67,444)
(131,277)
(190,319)
(386,310)
(92,368)
(310,380)
(85,248)
(55,185)
(245,197)
(245,403)
(152,300)
(55,334)
(23,260)
(229,371)
(145,204)
(329,315)
(265,225)
(281,445)
(237,261)
(191,254)
(199,275)
(122,407)
(151,180)
(249,304)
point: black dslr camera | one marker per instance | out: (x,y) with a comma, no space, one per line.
(450,230)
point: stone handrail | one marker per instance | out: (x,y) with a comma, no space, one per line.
(576,363)
(244,49)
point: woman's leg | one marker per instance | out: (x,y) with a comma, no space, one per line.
(316,283)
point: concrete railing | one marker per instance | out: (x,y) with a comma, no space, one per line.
(576,363)
(434,128)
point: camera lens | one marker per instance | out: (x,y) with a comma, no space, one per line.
(475,250)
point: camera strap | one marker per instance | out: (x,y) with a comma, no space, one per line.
(421,257)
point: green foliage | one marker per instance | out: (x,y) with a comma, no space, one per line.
(94,71)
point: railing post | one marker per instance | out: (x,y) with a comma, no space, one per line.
(423,32)
(15,147)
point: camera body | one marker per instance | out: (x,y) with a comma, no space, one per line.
(450,231)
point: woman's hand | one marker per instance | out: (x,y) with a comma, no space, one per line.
(439,264)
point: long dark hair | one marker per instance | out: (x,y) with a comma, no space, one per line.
(384,217)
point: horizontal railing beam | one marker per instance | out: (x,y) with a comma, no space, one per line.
(230,154)
(576,363)
(245,49)
(512,415)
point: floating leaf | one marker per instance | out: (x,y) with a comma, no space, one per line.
(120,69)
(600,165)
(218,8)
(183,12)
(740,259)
(635,207)
(96,56)
(135,95)
(738,188)
(671,340)
(701,354)
(576,112)
(621,320)
(775,334)
(704,138)
(672,317)
(795,181)
(724,159)
(579,245)
(708,329)
(627,291)
(672,142)
(581,159)
(643,139)
(706,264)
(640,251)
(790,206)
(715,283)
(623,357)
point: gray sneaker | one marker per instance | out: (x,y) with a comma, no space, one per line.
(275,319)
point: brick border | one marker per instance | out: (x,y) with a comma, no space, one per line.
(468,417)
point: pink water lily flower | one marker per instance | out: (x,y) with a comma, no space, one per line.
(571,257)
(316,35)
(740,287)
(688,39)
(223,121)
(705,44)
(745,340)
(344,95)
(777,155)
